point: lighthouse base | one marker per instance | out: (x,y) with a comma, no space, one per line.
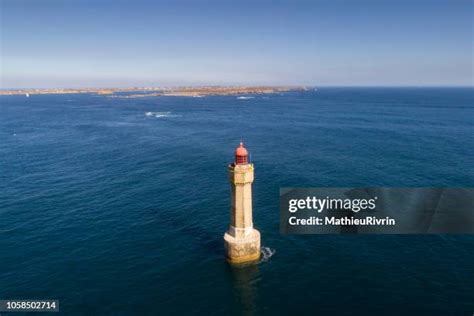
(245,249)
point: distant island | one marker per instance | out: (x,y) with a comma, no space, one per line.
(160,91)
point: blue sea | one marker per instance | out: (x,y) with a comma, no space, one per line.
(118,206)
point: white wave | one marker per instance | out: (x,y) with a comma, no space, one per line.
(244,98)
(159,114)
(266,253)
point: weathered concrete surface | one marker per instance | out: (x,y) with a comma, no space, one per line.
(242,249)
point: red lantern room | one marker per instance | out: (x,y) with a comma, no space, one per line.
(241,155)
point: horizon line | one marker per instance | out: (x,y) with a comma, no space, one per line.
(241,85)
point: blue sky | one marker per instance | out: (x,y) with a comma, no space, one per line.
(154,43)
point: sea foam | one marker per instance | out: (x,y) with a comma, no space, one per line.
(244,98)
(266,253)
(159,114)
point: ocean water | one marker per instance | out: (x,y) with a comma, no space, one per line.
(118,206)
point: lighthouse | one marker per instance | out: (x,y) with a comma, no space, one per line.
(242,241)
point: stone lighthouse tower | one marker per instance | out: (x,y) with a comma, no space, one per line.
(242,241)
